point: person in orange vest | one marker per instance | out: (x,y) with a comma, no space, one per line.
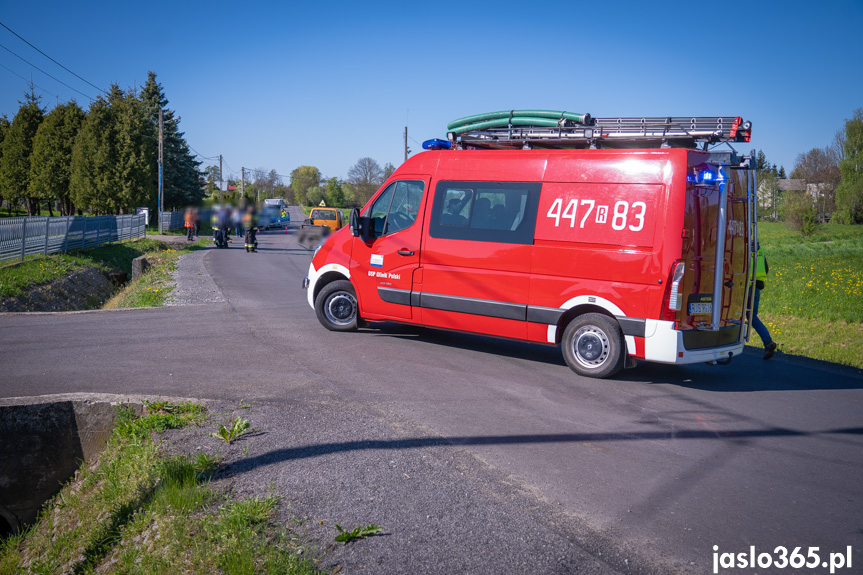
(761,269)
(189,219)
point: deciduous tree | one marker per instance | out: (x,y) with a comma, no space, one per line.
(849,193)
(334,194)
(819,170)
(366,176)
(302,179)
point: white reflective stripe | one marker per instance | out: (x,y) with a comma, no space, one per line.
(314,276)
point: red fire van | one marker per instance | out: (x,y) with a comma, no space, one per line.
(616,253)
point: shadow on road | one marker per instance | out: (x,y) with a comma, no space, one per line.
(307,451)
(746,373)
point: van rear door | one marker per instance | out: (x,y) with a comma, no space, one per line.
(714,252)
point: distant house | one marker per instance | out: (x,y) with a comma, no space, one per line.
(768,199)
(768,196)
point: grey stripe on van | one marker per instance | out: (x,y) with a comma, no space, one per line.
(491,308)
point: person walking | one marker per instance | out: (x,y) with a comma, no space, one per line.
(761,269)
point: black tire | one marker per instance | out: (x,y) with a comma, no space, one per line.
(336,306)
(593,346)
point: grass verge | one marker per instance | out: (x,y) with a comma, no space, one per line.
(137,511)
(16,278)
(151,289)
(811,302)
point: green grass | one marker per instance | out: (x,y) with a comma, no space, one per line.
(154,286)
(137,511)
(150,290)
(813,300)
(15,278)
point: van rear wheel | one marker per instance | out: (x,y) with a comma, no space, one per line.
(336,306)
(593,346)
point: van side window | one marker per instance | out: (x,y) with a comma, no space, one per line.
(397,207)
(485,211)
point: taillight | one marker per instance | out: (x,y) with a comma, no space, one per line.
(672,301)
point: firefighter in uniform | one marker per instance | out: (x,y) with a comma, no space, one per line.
(251,230)
(761,269)
(214,222)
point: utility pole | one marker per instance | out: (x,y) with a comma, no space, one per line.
(161,172)
(406,144)
(243,182)
(220,178)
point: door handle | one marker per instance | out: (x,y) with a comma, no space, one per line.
(405,253)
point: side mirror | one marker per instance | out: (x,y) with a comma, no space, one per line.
(354,222)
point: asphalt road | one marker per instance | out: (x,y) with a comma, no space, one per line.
(647,472)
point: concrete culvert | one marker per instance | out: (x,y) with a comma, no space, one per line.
(43,441)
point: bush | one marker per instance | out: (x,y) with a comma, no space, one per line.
(798,212)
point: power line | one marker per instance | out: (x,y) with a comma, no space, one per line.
(30,81)
(202,155)
(46,73)
(52,59)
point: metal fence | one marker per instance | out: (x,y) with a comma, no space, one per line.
(177,220)
(172,221)
(21,237)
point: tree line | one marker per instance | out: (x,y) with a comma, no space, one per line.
(103,160)
(306,185)
(829,182)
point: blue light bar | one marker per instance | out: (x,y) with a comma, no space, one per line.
(437,144)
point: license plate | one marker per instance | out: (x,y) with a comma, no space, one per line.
(700,308)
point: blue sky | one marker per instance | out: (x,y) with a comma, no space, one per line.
(277,85)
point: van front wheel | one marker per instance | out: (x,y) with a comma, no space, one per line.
(336,306)
(593,346)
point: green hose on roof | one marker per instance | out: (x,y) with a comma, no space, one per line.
(544,118)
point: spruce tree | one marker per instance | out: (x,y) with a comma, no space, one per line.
(136,170)
(93,157)
(51,160)
(4,129)
(181,177)
(15,160)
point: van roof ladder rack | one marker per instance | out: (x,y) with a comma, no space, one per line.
(659,132)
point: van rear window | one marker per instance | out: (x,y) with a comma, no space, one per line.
(485,211)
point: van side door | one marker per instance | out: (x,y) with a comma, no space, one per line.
(382,267)
(477,257)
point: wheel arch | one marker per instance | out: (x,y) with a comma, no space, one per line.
(327,278)
(575,312)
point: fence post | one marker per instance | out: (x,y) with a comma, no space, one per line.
(23,236)
(47,226)
(84,234)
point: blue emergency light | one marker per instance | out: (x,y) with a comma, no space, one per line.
(437,144)
(705,177)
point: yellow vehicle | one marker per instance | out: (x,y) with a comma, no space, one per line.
(329,217)
(320,223)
